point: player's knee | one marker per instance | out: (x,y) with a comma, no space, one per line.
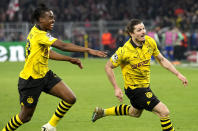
(26,118)
(164,113)
(71,99)
(134,113)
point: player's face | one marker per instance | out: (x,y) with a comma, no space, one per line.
(139,32)
(48,20)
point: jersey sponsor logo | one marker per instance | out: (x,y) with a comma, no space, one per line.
(30,100)
(139,64)
(50,37)
(114,58)
(149,94)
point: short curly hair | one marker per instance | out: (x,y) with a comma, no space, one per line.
(38,12)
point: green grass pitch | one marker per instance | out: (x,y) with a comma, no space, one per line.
(92,89)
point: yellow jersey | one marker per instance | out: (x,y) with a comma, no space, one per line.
(135,62)
(37,54)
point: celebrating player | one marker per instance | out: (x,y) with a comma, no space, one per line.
(134,60)
(36,77)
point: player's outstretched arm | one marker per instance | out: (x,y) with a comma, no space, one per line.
(167,64)
(74,48)
(109,71)
(56,56)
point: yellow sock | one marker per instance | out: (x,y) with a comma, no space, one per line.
(117,110)
(62,108)
(54,120)
(166,124)
(13,124)
(109,111)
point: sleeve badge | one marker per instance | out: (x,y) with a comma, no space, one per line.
(114,58)
(49,36)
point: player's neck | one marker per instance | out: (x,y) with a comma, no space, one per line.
(40,27)
(138,43)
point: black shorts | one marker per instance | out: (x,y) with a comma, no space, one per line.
(31,89)
(142,98)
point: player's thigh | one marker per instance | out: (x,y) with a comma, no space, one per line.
(62,91)
(161,110)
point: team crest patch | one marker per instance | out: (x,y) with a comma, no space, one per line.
(30,100)
(149,94)
(114,58)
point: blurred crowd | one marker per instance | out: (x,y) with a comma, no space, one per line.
(174,24)
(161,12)
(182,13)
(174,44)
(70,10)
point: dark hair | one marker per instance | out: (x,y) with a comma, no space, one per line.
(131,24)
(38,12)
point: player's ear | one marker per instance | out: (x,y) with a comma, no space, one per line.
(131,34)
(41,20)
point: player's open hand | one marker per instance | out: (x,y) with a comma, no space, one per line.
(97,53)
(119,94)
(76,62)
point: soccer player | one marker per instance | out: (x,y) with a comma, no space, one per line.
(36,77)
(134,60)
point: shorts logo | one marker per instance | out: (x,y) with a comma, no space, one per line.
(149,94)
(148,102)
(30,100)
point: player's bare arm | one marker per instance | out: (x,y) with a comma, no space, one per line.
(56,56)
(109,71)
(167,64)
(74,48)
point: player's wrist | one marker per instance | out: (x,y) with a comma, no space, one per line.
(88,50)
(115,87)
(177,74)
